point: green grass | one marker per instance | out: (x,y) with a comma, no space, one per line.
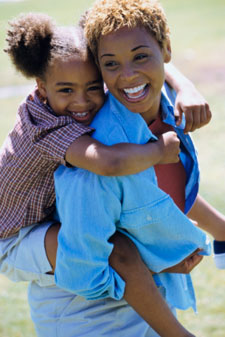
(14,312)
(198,43)
(67,13)
(209,285)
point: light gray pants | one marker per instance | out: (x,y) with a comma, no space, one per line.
(58,313)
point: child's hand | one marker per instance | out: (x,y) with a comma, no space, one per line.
(186,266)
(197,111)
(170,147)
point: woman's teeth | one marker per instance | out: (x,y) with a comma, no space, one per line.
(135,92)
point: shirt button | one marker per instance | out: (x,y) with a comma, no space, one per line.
(148,218)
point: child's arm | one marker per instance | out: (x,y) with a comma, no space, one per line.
(140,292)
(123,158)
(208,218)
(188,100)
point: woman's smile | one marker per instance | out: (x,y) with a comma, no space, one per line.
(136,94)
(132,66)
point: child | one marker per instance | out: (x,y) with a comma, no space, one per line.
(52,128)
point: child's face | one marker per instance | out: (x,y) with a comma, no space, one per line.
(132,66)
(73,88)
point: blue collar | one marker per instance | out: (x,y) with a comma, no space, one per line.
(134,125)
(167,104)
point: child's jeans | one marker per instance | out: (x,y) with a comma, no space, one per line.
(23,256)
(55,312)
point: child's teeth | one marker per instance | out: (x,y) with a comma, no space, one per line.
(80,114)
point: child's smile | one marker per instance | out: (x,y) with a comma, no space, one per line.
(132,65)
(74,87)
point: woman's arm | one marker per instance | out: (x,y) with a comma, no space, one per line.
(188,101)
(208,218)
(140,291)
(122,158)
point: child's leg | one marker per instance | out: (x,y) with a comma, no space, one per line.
(51,244)
(23,256)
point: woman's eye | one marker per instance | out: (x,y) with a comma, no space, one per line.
(141,57)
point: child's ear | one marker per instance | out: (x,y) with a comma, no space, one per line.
(167,52)
(41,87)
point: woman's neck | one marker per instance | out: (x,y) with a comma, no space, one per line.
(153,113)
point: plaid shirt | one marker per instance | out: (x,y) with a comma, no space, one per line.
(32,151)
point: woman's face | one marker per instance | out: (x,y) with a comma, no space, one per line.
(132,66)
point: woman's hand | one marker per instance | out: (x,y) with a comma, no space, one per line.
(187,265)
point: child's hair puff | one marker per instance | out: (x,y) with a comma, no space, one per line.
(29,43)
(107,16)
(34,42)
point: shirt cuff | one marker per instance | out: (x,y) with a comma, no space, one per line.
(114,289)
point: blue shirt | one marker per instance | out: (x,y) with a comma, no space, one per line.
(92,207)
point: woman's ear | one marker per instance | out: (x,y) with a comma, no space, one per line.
(167,51)
(41,87)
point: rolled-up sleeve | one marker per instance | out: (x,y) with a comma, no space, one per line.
(89,207)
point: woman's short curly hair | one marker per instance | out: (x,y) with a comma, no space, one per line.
(107,16)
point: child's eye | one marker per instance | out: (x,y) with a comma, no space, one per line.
(95,87)
(66,90)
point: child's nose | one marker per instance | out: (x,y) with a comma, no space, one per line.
(80,103)
(80,99)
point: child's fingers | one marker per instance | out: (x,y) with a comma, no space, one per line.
(189,121)
(178,116)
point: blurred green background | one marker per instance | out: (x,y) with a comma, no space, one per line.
(198,45)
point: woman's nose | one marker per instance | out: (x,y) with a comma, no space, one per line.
(128,72)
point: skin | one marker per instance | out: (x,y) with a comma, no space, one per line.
(208,218)
(73,88)
(139,61)
(188,101)
(132,65)
(125,258)
(140,291)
